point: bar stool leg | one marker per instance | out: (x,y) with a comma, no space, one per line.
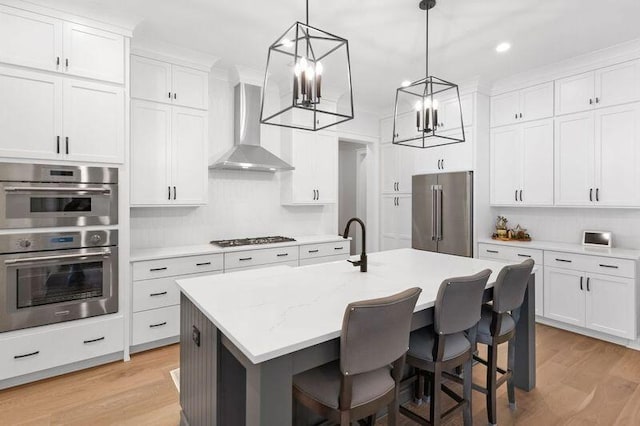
(466,392)
(434,407)
(418,387)
(511,356)
(392,412)
(492,364)
(345,418)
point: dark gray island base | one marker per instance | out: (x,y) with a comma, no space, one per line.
(220,386)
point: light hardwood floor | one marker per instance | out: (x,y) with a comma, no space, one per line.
(581,381)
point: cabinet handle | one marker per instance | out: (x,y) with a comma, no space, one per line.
(581,278)
(169,192)
(169,95)
(66,142)
(313,251)
(590,101)
(158,325)
(609,266)
(158,294)
(203,264)
(86,342)
(521,195)
(26,355)
(563,260)
(588,280)
(338,248)
(318,193)
(597,100)
(516,195)
(175,193)
(598,194)
(282,254)
(520,115)
(590,194)
(66,62)
(523,255)
(57,60)
(243,259)
(164,268)
(57,144)
(516,115)
(493,251)
(175,96)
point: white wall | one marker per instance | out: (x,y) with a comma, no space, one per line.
(241,204)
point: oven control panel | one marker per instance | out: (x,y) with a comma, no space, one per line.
(16,243)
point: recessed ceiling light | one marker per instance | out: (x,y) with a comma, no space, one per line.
(406,83)
(503,47)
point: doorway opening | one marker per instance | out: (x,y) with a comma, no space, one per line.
(352,188)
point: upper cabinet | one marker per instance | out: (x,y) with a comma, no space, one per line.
(604,87)
(449,113)
(533,103)
(160,81)
(38,41)
(397,166)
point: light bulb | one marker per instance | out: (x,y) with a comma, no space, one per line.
(427,103)
(418,106)
(297,69)
(435,104)
(319,68)
(303,63)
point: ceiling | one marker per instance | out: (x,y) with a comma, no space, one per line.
(386,37)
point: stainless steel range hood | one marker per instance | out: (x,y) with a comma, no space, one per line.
(247,154)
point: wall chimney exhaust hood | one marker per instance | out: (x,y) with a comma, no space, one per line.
(247,154)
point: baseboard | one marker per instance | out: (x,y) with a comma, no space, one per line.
(631,344)
(153,345)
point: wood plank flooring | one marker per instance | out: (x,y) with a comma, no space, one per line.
(581,381)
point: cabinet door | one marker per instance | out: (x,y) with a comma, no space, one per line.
(93,53)
(536,102)
(537,163)
(575,93)
(406,127)
(325,172)
(504,109)
(190,87)
(189,173)
(30,114)
(402,217)
(30,39)
(610,305)
(150,79)
(428,161)
(150,142)
(303,179)
(406,167)
(506,165)
(323,120)
(389,166)
(618,84)
(451,114)
(93,124)
(457,157)
(389,221)
(564,300)
(574,160)
(618,155)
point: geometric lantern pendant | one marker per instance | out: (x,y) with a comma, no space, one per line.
(428,112)
(307,82)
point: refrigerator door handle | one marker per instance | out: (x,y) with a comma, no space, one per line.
(439,198)
(434,213)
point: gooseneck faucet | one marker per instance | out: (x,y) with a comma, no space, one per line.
(362,263)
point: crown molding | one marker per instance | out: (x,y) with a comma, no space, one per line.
(167,52)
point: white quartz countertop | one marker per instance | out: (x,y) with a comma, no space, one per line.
(619,253)
(274,311)
(194,250)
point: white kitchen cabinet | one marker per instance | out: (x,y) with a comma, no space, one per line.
(30,39)
(610,305)
(30,114)
(522,164)
(168,155)
(449,113)
(564,295)
(315,157)
(398,164)
(160,81)
(93,123)
(452,157)
(532,103)
(590,170)
(604,87)
(396,221)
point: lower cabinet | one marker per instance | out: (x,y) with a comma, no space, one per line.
(155,324)
(396,221)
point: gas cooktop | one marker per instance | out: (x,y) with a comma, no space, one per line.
(252,241)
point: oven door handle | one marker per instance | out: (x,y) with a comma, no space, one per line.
(53,189)
(62,256)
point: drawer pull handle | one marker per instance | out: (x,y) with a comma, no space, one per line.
(242,259)
(203,264)
(564,260)
(609,266)
(493,251)
(338,248)
(158,269)
(26,355)
(158,325)
(86,342)
(282,254)
(313,251)
(524,255)
(158,294)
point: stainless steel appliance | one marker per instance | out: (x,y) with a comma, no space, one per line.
(47,278)
(37,195)
(442,213)
(252,241)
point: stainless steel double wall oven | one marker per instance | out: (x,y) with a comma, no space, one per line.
(49,277)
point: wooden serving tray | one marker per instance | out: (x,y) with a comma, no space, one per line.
(510,239)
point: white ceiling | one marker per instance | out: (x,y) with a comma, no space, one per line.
(386,37)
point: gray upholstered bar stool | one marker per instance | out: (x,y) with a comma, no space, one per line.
(444,346)
(373,345)
(498,325)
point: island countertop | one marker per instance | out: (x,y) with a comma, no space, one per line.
(274,311)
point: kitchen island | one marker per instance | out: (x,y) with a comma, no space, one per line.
(244,335)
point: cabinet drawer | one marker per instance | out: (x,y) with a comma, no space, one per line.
(566,260)
(310,251)
(156,293)
(52,348)
(292,264)
(512,254)
(177,266)
(610,266)
(242,259)
(155,324)
(324,259)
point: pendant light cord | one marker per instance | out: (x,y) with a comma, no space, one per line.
(307,12)
(426,2)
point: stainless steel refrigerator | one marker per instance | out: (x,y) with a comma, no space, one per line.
(442,213)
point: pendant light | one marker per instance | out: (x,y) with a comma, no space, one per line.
(307,82)
(417,120)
